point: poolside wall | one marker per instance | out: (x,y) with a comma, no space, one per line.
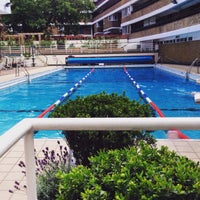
(181,53)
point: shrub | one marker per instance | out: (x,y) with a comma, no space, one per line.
(88,143)
(142,172)
(46,43)
(46,168)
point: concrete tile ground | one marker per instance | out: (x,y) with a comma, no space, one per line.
(11,172)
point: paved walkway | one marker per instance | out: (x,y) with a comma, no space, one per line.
(11,74)
(11,172)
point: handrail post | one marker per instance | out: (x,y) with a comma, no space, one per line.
(30,166)
(188,71)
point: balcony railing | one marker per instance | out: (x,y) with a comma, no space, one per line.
(27,127)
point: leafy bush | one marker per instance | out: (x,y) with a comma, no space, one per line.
(27,55)
(88,143)
(141,172)
(46,43)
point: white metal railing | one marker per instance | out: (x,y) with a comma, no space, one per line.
(189,69)
(26,129)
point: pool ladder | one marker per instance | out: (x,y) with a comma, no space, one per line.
(21,66)
(27,74)
(189,69)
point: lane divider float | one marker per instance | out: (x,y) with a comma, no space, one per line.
(171,133)
(64,96)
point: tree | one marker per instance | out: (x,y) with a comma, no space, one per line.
(38,15)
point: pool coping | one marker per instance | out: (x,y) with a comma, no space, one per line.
(106,66)
(27,78)
(192,76)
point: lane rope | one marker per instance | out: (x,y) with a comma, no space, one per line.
(152,104)
(64,96)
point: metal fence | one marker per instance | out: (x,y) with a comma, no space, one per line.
(75,48)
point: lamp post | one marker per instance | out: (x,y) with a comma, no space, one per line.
(33,55)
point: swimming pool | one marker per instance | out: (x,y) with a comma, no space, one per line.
(171,93)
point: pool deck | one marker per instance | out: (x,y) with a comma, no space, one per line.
(10,74)
(11,172)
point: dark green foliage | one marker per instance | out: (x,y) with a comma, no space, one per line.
(39,15)
(88,143)
(141,172)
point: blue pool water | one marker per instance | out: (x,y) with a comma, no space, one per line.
(171,93)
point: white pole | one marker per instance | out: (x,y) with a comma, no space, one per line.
(30,166)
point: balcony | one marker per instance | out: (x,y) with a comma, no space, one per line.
(163,28)
(102,12)
(142,12)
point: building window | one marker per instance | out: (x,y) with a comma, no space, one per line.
(149,22)
(127,11)
(125,30)
(112,18)
(97,25)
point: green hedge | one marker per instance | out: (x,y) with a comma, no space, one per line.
(141,172)
(88,143)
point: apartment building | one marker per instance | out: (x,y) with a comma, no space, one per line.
(171,27)
(4,10)
(5,7)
